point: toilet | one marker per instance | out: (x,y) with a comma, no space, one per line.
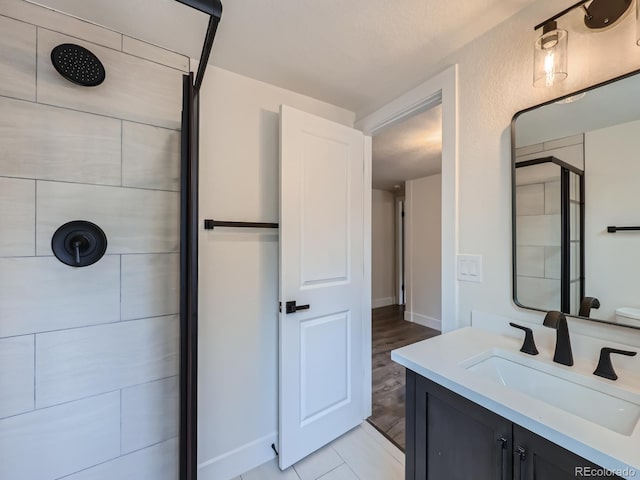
(628,316)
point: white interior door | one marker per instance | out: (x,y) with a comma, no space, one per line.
(322,255)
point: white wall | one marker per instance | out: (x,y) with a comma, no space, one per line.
(495,82)
(611,156)
(238,371)
(423,260)
(383,259)
(88,356)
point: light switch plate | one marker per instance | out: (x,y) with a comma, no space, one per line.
(470,268)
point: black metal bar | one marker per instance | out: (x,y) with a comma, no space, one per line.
(189,284)
(622,229)
(211,224)
(565,243)
(206,50)
(557,161)
(210,7)
(561,14)
(583,199)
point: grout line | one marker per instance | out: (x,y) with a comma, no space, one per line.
(121,422)
(167,315)
(35,218)
(34,372)
(101,115)
(115,458)
(120,306)
(143,189)
(121,152)
(94,396)
(36,73)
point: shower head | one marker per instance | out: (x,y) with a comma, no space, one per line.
(78,65)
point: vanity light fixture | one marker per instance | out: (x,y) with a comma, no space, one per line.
(550,51)
(550,56)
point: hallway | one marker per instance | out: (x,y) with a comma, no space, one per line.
(391,331)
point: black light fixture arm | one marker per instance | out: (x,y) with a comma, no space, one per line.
(562,14)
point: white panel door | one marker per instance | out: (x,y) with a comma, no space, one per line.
(322,256)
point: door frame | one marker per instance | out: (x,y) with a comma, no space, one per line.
(442,88)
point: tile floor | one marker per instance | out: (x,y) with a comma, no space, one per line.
(361,454)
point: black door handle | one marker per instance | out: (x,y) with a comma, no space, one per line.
(291,307)
(503,441)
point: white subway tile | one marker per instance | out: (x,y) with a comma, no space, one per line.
(541,173)
(149,413)
(530,199)
(565,142)
(552,262)
(150,157)
(538,230)
(53,20)
(76,363)
(16,376)
(50,443)
(539,293)
(155,54)
(530,261)
(17,59)
(135,221)
(43,294)
(38,141)
(552,198)
(528,150)
(17,217)
(135,89)
(159,462)
(150,285)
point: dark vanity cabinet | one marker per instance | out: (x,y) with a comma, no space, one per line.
(452,438)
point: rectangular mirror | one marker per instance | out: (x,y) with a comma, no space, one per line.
(576,204)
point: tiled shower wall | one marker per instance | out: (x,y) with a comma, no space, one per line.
(538,221)
(88,356)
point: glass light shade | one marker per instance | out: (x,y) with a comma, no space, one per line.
(550,58)
(638,22)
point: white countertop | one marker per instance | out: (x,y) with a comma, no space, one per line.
(442,359)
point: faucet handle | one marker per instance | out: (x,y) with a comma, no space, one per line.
(605,367)
(529,345)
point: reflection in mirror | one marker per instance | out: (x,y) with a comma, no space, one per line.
(576,173)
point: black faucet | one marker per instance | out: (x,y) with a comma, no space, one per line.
(587,304)
(529,345)
(563,352)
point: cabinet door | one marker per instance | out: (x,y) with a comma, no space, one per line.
(454,438)
(536,458)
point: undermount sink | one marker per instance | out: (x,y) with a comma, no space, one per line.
(563,389)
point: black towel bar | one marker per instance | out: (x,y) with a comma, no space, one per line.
(622,229)
(211,224)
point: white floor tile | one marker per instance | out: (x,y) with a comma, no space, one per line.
(318,464)
(361,454)
(270,471)
(382,440)
(343,472)
(366,457)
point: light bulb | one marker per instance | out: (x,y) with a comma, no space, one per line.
(549,68)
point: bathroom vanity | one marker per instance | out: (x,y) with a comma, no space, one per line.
(478,408)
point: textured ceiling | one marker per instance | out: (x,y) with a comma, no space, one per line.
(358,54)
(409,150)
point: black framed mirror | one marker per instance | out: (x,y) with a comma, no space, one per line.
(576,203)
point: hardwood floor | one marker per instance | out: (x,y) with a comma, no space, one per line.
(391,331)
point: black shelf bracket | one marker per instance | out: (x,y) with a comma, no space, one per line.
(211,224)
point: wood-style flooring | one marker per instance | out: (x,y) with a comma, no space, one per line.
(391,331)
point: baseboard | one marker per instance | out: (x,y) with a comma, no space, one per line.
(383,302)
(423,320)
(238,461)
